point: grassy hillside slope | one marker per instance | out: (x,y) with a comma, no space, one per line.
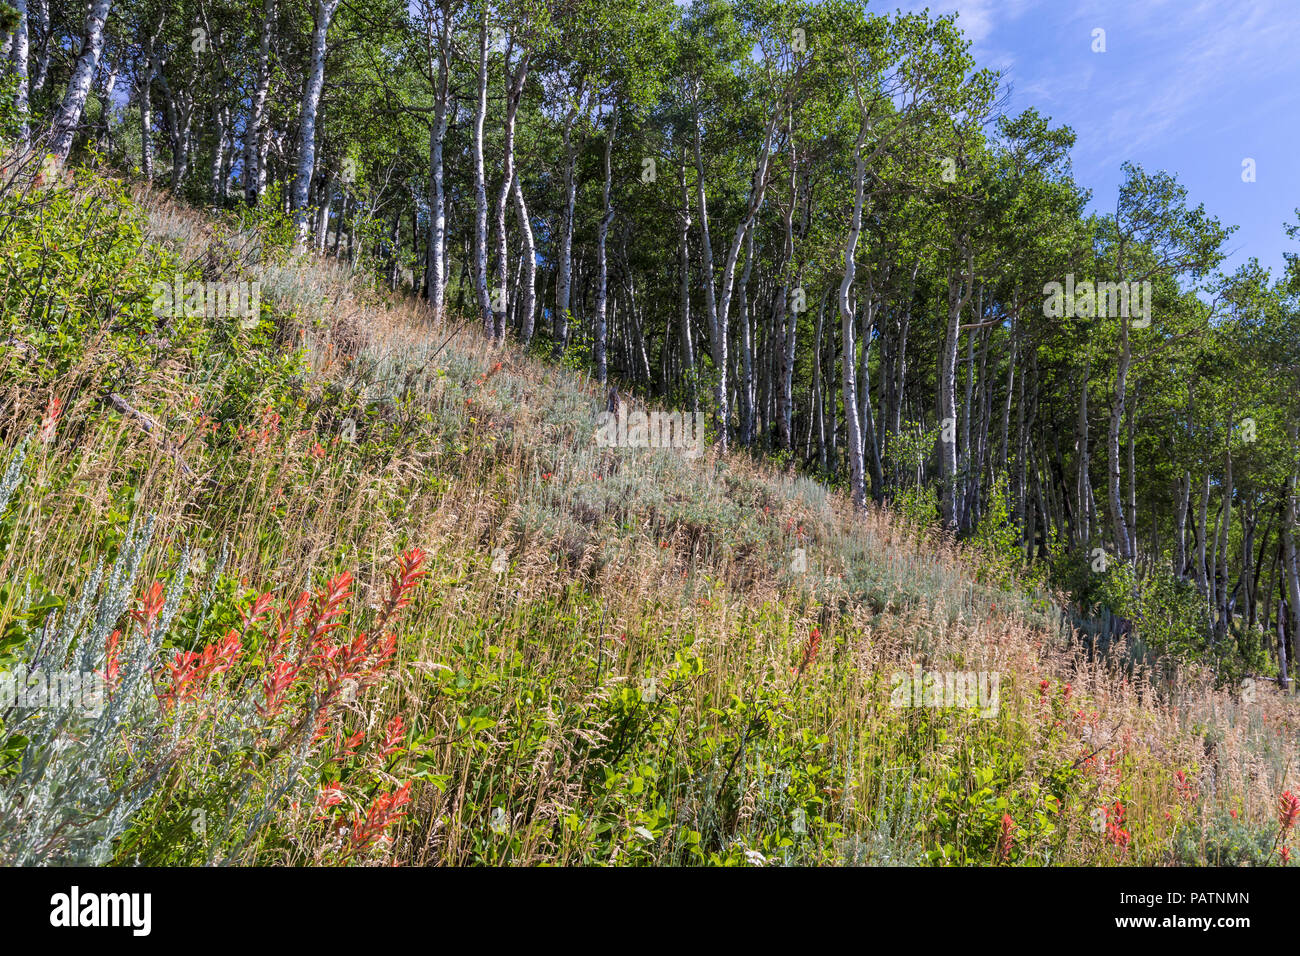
(367,591)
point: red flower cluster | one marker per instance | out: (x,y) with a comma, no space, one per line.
(810,648)
(1007,837)
(324,664)
(478,382)
(275,686)
(331,795)
(112,668)
(256,438)
(348,748)
(151,606)
(1045,685)
(407,577)
(394,734)
(1184,786)
(52,412)
(328,606)
(383,813)
(190,670)
(1288,808)
(303,668)
(319,663)
(1115,831)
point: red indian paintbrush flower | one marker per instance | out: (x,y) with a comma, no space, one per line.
(286,622)
(257,610)
(400,585)
(383,813)
(151,606)
(1288,808)
(810,649)
(52,412)
(1007,837)
(111,666)
(275,686)
(1115,831)
(328,606)
(348,747)
(394,733)
(191,670)
(330,795)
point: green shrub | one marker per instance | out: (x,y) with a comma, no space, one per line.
(76,274)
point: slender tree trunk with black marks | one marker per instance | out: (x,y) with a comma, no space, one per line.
(857,478)
(435,283)
(602,266)
(254,131)
(514,89)
(564,281)
(480,185)
(69,113)
(324,14)
(528,290)
(20,58)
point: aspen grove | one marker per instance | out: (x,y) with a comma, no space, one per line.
(811,233)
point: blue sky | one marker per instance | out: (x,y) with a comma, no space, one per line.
(1190,86)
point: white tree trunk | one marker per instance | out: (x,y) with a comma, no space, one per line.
(480,184)
(528,290)
(254,134)
(745,390)
(83,74)
(1180,525)
(1224,550)
(563,282)
(958,297)
(718,302)
(39,13)
(180,113)
(684,289)
(436,269)
(329,191)
(20,55)
(1083,482)
(717,335)
(602,270)
(787,320)
(853,427)
(215,182)
(324,13)
(146,114)
(1202,533)
(514,89)
(1124,360)
(1292,567)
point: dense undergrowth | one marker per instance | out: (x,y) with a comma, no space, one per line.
(364,590)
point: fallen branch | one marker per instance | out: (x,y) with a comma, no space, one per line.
(151,427)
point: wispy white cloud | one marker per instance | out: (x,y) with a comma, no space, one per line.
(1187,85)
(977,18)
(1180,67)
